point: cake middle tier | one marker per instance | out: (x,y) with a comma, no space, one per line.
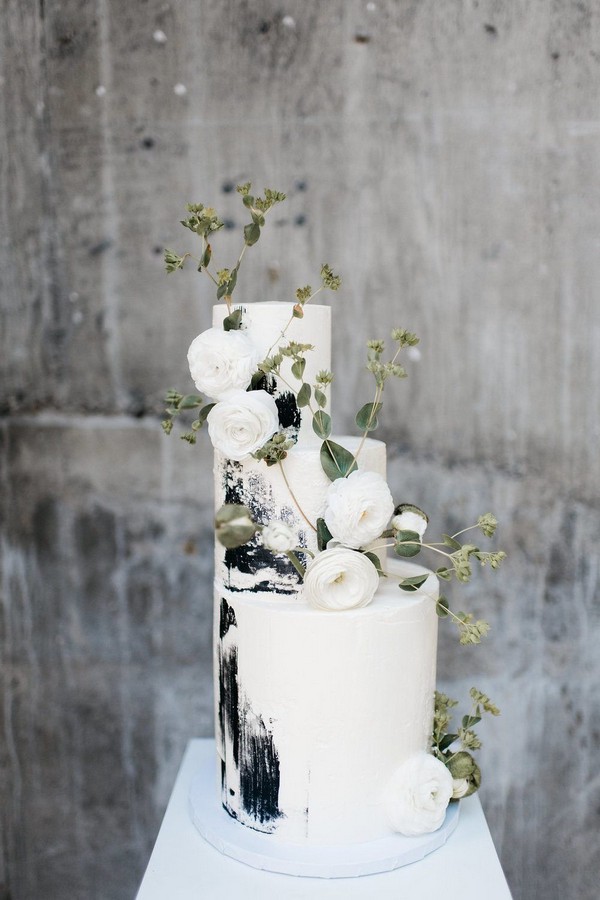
(293,493)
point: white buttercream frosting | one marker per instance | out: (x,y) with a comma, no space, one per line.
(347,697)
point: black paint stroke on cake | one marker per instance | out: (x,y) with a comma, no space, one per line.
(227,618)
(289,412)
(290,415)
(229,701)
(255,756)
(252,558)
(259,770)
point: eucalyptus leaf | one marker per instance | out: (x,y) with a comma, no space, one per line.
(251,233)
(413,583)
(323,534)
(408,543)
(366,417)
(321,424)
(320,397)
(206,257)
(298,367)
(232,281)
(234,525)
(233,321)
(221,291)
(447,741)
(469,721)
(303,398)
(442,608)
(376,562)
(337,462)
(450,542)
(190,401)
(248,200)
(202,415)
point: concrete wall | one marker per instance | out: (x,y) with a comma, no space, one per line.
(445,158)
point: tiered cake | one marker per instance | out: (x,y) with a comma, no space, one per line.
(316,711)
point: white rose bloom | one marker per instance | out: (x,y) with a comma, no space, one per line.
(358,508)
(340,579)
(409,520)
(418,794)
(242,422)
(460,786)
(278,537)
(220,360)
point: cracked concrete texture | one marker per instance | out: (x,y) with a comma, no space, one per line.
(445,159)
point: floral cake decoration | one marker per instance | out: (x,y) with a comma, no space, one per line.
(360,516)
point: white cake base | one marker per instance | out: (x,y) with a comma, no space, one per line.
(261,852)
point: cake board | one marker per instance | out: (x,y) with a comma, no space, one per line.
(261,852)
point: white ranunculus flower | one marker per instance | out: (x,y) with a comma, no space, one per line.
(358,508)
(242,422)
(418,794)
(278,537)
(340,579)
(460,786)
(220,360)
(410,518)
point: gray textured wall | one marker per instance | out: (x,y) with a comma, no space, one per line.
(445,157)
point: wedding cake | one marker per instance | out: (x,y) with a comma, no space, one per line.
(329,731)
(317,709)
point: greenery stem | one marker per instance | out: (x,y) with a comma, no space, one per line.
(289,322)
(378,396)
(295,562)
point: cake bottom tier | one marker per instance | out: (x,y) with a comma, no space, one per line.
(316,710)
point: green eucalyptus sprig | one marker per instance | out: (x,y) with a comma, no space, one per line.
(178,403)
(408,544)
(204,222)
(453,748)
(366,417)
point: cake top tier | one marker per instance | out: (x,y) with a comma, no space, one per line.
(271,325)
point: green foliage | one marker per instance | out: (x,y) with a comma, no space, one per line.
(404,338)
(366,417)
(323,534)
(234,525)
(178,403)
(376,562)
(203,220)
(321,424)
(320,397)
(173,261)
(336,461)
(298,367)
(303,398)
(276,448)
(303,294)
(413,583)
(330,281)
(233,321)
(408,543)
(454,748)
